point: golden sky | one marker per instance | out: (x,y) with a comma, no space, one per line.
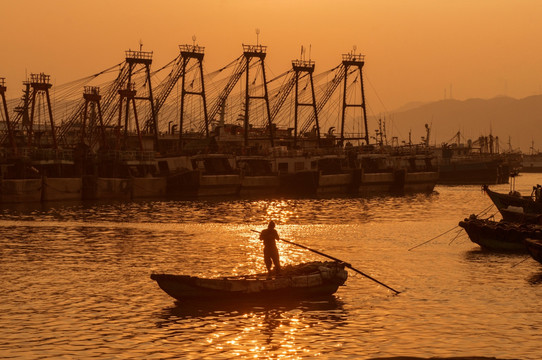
(416,50)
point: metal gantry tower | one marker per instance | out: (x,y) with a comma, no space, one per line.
(39,84)
(134,58)
(129,94)
(10,134)
(257,52)
(92,96)
(357,61)
(196,53)
(302,68)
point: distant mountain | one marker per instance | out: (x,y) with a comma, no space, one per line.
(410,106)
(514,120)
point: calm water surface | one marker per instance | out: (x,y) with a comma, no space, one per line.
(75,280)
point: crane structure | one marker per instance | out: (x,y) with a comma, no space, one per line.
(195,53)
(36,87)
(356,61)
(164,89)
(92,97)
(128,96)
(9,126)
(324,98)
(257,52)
(111,113)
(240,68)
(304,68)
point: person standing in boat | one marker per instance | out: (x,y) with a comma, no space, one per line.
(270,251)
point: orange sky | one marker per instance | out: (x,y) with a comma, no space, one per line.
(416,50)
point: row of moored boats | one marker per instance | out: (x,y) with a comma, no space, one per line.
(520,229)
(135,175)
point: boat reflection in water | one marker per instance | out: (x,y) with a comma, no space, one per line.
(270,326)
(329,308)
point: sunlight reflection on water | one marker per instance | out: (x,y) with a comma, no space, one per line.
(76,281)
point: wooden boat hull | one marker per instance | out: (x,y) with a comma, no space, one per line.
(499,235)
(515,208)
(534,247)
(308,280)
(516,215)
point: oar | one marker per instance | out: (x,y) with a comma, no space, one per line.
(339,260)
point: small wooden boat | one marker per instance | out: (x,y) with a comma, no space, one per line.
(307,280)
(516,208)
(534,247)
(499,235)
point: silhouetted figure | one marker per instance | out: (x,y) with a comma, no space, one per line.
(270,251)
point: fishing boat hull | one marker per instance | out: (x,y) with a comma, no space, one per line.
(420,182)
(257,176)
(62,189)
(499,235)
(98,188)
(303,281)
(148,187)
(219,185)
(183,183)
(516,208)
(302,183)
(534,247)
(20,190)
(334,183)
(532,163)
(384,183)
(260,185)
(470,171)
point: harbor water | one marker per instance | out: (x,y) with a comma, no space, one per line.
(76,280)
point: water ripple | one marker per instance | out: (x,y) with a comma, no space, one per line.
(76,281)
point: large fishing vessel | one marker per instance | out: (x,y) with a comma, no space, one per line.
(472,163)
(132,138)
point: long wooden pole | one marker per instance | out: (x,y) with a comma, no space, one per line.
(334,258)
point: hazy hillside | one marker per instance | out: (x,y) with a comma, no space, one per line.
(510,119)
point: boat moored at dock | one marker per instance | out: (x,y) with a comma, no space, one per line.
(499,235)
(257,176)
